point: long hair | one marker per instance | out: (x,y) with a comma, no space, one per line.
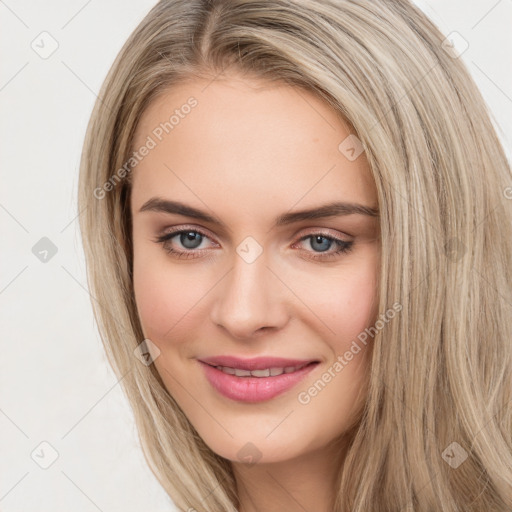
(435,432)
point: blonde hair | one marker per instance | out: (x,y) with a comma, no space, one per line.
(440,384)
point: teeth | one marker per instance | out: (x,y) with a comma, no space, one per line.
(267,372)
(261,373)
(242,373)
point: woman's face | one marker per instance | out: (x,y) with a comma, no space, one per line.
(250,277)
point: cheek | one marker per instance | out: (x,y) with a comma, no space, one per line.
(356,304)
(346,302)
(165,297)
(153,297)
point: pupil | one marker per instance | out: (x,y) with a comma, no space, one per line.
(190,240)
(324,246)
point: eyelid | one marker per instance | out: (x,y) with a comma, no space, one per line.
(186,227)
(328,232)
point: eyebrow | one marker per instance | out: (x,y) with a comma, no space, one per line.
(333,209)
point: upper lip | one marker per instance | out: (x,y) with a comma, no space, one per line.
(256,363)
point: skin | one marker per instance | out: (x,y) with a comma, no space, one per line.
(248,152)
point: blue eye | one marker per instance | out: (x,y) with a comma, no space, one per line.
(321,243)
(191,239)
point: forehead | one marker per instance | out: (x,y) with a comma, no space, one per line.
(247,142)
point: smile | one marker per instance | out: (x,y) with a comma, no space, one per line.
(255,385)
(268,372)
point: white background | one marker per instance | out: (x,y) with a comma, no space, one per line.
(55,383)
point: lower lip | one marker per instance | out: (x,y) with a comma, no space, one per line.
(253,389)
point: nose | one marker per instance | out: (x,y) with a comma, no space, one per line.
(250,300)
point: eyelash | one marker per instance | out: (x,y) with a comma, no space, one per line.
(343,246)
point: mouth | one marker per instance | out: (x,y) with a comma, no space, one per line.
(255,380)
(256,363)
(264,372)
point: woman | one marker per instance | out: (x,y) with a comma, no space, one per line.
(298,236)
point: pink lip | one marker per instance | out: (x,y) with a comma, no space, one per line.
(254,389)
